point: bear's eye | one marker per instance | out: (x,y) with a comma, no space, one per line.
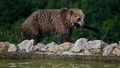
(78,19)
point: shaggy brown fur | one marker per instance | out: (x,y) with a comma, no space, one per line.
(43,23)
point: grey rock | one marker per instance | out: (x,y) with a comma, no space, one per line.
(12,48)
(68,52)
(43,50)
(86,52)
(7,47)
(95,46)
(79,45)
(52,44)
(116,51)
(39,47)
(27,45)
(109,49)
(60,48)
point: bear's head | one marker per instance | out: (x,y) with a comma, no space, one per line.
(76,16)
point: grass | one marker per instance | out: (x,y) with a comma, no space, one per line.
(12,36)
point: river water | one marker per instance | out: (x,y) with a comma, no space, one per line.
(47,63)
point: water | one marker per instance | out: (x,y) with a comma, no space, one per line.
(47,63)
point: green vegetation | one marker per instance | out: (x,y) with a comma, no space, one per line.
(101,14)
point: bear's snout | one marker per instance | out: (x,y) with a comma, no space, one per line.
(81,23)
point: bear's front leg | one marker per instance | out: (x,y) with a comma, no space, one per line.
(36,40)
(65,38)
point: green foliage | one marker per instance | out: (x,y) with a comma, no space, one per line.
(111,32)
(12,36)
(102,14)
(50,39)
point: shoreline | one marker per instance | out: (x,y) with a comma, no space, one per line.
(41,55)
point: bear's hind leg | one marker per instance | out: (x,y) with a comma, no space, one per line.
(36,40)
(65,38)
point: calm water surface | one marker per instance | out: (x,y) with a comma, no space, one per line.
(47,63)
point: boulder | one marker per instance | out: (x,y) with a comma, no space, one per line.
(95,46)
(116,51)
(26,45)
(2,47)
(87,52)
(54,49)
(79,45)
(60,48)
(52,44)
(64,47)
(68,53)
(12,48)
(39,47)
(109,49)
(22,44)
(43,50)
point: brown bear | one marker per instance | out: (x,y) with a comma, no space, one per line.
(60,22)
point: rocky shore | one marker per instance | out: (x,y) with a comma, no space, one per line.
(82,49)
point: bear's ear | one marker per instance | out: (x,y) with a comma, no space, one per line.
(64,9)
(71,11)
